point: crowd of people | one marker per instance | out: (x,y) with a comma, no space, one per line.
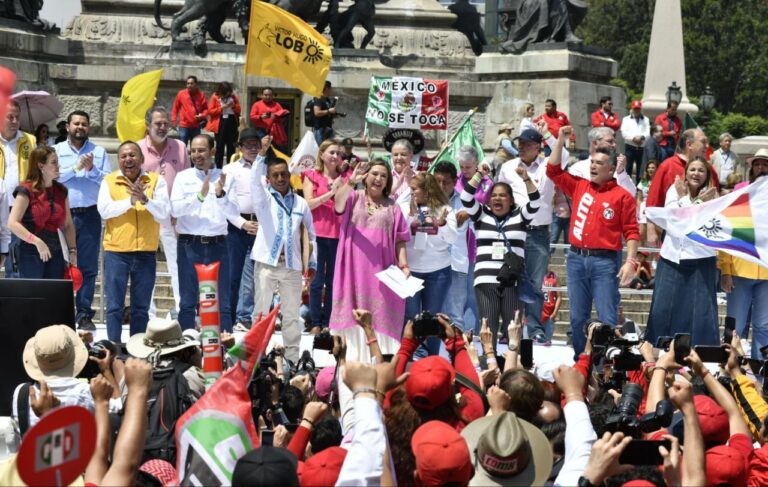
(478,235)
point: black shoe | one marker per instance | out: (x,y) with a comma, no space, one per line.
(86,324)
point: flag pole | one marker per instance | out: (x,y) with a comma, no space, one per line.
(467,117)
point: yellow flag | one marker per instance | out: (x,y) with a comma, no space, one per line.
(281,45)
(137,97)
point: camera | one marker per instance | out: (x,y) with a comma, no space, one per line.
(99,351)
(624,417)
(323,341)
(425,324)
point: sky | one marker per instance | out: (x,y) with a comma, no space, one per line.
(60,11)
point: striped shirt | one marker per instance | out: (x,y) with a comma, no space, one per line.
(490,229)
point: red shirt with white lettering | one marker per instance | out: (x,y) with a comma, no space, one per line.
(601,215)
(665,177)
(600,120)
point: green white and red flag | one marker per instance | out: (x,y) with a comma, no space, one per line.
(405,102)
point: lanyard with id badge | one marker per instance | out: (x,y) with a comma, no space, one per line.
(500,248)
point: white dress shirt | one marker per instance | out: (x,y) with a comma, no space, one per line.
(582,169)
(5,234)
(579,438)
(459,250)
(240,173)
(206,218)
(430,253)
(11,165)
(159,205)
(364,463)
(631,127)
(280,218)
(676,249)
(537,171)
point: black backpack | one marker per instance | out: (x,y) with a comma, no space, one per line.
(309,114)
(169,397)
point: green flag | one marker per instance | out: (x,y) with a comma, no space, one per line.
(689,122)
(464,136)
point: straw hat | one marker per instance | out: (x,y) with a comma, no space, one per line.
(162,335)
(507,450)
(55,352)
(760,154)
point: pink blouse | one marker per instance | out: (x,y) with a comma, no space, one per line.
(324,217)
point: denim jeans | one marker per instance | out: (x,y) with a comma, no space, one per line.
(189,253)
(432,299)
(746,294)
(118,267)
(536,264)
(31,267)
(246,295)
(88,231)
(186,134)
(634,160)
(9,272)
(591,279)
(323,133)
(684,301)
(556,228)
(239,244)
(461,304)
(319,308)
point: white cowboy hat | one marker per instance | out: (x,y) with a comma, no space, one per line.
(162,335)
(760,154)
(55,352)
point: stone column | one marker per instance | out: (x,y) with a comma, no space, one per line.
(666,60)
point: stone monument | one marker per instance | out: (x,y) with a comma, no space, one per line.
(666,60)
(113,40)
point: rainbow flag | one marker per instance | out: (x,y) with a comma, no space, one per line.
(735,223)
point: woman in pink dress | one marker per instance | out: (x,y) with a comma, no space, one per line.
(372,237)
(320,187)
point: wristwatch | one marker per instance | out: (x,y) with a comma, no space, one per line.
(513,347)
(584,482)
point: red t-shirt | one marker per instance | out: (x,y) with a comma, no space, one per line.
(550,298)
(559,119)
(601,214)
(665,177)
(47,210)
(599,120)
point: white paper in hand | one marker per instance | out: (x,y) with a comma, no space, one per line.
(395,280)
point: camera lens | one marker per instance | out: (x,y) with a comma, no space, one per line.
(631,395)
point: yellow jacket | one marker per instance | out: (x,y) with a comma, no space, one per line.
(135,230)
(24,147)
(750,402)
(736,266)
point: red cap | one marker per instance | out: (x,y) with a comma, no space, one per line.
(637,104)
(638,483)
(322,468)
(73,274)
(442,455)
(712,418)
(161,470)
(430,383)
(726,465)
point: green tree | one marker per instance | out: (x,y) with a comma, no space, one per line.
(724,46)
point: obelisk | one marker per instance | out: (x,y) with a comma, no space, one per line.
(666,59)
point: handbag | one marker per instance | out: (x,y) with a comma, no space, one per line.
(513,265)
(204,121)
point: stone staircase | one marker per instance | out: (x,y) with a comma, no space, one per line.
(635,306)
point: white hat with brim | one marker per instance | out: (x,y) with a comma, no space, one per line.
(55,352)
(760,154)
(163,336)
(507,441)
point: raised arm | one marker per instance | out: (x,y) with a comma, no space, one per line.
(342,194)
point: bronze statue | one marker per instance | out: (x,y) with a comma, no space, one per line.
(468,22)
(540,21)
(361,12)
(25,11)
(213,13)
